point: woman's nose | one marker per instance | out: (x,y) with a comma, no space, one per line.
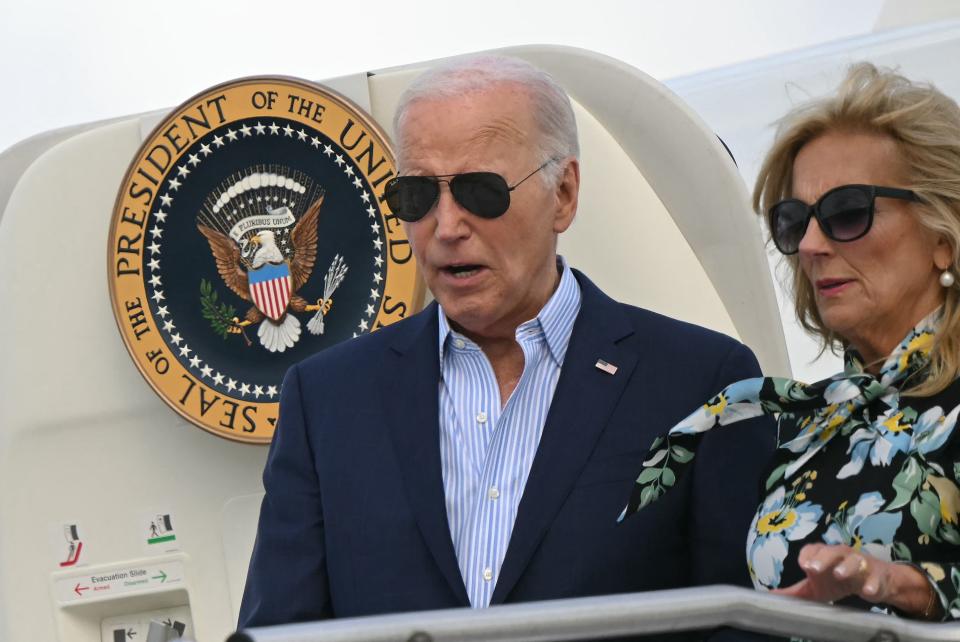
(814,241)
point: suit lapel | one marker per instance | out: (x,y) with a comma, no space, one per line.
(412,405)
(573,424)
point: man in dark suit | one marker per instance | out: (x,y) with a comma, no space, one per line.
(480,452)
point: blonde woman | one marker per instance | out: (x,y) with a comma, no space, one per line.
(861,193)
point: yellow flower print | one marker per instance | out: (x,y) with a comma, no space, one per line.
(829,429)
(893,424)
(718,406)
(827,414)
(923,342)
(834,419)
(776,521)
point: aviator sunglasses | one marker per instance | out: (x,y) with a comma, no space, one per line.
(485,194)
(844,213)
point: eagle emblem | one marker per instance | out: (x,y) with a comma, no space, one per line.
(230,238)
(265,255)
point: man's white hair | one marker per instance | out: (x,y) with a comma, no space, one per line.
(553,112)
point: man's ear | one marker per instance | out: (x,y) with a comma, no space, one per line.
(567,194)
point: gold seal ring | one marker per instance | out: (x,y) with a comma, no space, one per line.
(863,566)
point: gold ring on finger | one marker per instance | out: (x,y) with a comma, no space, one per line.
(863,566)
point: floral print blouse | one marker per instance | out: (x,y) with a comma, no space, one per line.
(858,464)
(889,488)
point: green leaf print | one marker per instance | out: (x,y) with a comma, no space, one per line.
(926,511)
(648,494)
(668,478)
(905,484)
(680,454)
(901,553)
(776,475)
(648,475)
(950,534)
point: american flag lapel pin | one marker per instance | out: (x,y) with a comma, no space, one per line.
(609,368)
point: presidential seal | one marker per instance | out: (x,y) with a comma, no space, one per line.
(249,232)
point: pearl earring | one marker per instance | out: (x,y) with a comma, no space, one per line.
(947,279)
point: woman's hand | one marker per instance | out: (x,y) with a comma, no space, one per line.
(835,572)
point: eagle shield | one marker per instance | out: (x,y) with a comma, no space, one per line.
(270,288)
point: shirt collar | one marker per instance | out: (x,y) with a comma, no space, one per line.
(555,319)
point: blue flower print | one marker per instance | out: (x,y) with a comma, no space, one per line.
(784,516)
(731,405)
(932,430)
(864,527)
(881,441)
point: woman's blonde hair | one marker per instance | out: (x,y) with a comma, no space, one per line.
(925,124)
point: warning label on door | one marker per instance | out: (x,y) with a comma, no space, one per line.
(158,530)
(67,544)
(161,530)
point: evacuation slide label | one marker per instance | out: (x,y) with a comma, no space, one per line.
(135,578)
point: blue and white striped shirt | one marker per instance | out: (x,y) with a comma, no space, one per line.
(486,452)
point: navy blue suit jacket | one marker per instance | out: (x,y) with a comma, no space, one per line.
(354,520)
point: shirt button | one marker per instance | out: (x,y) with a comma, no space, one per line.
(482,417)
(459,344)
(487,574)
(493,493)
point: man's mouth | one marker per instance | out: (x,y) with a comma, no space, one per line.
(462,271)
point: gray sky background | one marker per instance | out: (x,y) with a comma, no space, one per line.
(65,62)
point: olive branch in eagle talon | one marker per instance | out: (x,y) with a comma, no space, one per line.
(219,314)
(235,269)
